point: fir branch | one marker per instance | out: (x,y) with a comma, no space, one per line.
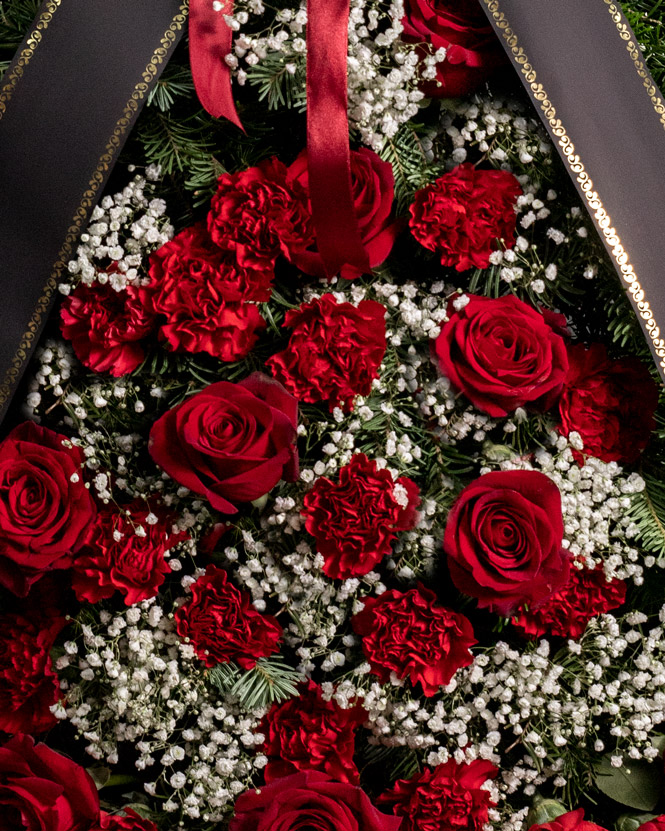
(271,680)
(648,514)
(277,85)
(411,167)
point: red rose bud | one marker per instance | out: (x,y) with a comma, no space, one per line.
(460,27)
(309,800)
(40,789)
(463,214)
(502,354)
(28,684)
(222,624)
(356,521)
(201,296)
(372,184)
(259,214)
(571,821)
(448,796)
(410,634)
(610,403)
(231,443)
(308,733)
(503,540)
(106,327)
(116,558)
(334,352)
(45,507)
(566,613)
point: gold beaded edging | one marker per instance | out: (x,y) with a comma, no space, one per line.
(98,177)
(572,159)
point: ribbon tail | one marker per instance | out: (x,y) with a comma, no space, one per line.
(328,152)
(210,39)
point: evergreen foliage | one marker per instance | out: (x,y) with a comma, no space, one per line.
(271,681)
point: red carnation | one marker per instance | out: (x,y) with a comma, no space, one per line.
(45,507)
(201,293)
(503,540)
(309,800)
(373,191)
(117,558)
(334,352)
(410,634)
(308,733)
(449,796)
(222,625)
(259,214)
(28,684)
(40,789)
(571,821)
(610,403)
(131,821)
(566,613)
(463,214)
(460,27)
(231,443)
(655,824)
(356,521)
(502,354)
(106,327)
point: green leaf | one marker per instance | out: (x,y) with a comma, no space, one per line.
(100,775)
(631,822)
(637,784)
(544,810)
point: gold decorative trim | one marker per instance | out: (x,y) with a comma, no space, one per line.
(636,55)
(98,177)
(572,159)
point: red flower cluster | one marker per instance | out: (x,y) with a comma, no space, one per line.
(334,352)
(309,800)
(373,185)
(28,684)
(449,796)
(308,733)
(572,821)
(463,214)
(566,613)
(106,327)
(610,403)
(231,443)
(115,558)
(410,634)
(503,540)
(502,354)
(222,625)
(461,28)
(45,507)
(356,520)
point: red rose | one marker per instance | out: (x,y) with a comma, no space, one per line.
(502,354)
(656,824)
(309,800)
(106,327)
(116,558)
(40,790)
(131,821)
(28,685)
(201,294)
(410,634)
(461,28)
(308,733)
(463,214)
(373,190)
(572,821)
(450,796)
(45,508)
(334,352)
(222,625)
(610,403)
(259,214)
(566,613)
(230,442)
(503,540)
(356,521)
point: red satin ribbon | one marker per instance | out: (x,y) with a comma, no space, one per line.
(328,151)
(210,39)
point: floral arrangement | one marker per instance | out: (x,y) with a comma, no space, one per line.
(377,552)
